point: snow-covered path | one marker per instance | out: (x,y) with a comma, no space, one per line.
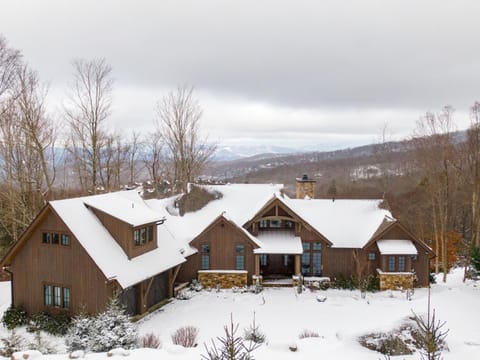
(282,315)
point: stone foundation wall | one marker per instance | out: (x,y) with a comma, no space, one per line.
(223,279)
(395,281)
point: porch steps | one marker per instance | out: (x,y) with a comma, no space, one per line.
(278,283)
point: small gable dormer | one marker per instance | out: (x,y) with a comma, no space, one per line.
(130,222)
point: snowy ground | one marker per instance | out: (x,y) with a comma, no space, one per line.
(282,315)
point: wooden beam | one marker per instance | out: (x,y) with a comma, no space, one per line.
(172,275)
(257,264)
(297,264)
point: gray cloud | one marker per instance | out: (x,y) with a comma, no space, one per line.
(309,57)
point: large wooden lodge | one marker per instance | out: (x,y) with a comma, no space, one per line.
(79,252)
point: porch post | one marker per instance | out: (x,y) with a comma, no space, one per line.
(297,264)
(257,265)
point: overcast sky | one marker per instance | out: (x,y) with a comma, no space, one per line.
(282,72)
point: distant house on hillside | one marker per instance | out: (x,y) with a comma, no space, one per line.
(79,252)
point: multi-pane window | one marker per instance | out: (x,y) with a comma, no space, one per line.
(142,235)
(205,256)
(56,296)
(150,233)
(306,258)
(55,238)
(372,256)
(312,258)
(391,263)
(47,294)
(262,224)
(65,239)
(239,257)
(286,260)
(136,237)
(401,264)
(275,224)
(263,259)
(66,298)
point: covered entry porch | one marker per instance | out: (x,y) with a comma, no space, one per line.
(279,258)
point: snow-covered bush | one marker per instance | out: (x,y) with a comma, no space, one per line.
(151,341)
(11,344)
(185,336)
(42,345)
(14,316)
(56,324)
(112,329)
(308,334)
(195,285)
(78,336)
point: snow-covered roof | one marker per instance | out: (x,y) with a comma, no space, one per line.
(240,202)
(396,247)
(346,223)
(126,206)
(105,251)
(279,242)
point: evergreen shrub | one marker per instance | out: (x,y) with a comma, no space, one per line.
(14,316)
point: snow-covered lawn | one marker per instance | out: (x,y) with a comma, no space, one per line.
(282,315)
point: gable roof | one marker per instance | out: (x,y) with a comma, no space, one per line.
(105,251)
(239,203)
(126,206)
(346,223)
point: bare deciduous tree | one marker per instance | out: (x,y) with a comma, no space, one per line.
(153,157)
(178,121)
(88,108)
(435,157)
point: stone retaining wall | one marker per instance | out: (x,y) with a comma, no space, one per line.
(395,281)
(222,279)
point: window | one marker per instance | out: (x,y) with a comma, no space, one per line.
(372,256)
(286,260)
(263,259)
(57,296)
(262,224)
(47,294)
(316,263)
(55,238)
(46,238)
(414,257)
(401,264)
(150,233)
(240,257)
(65,239)
(136,237)
(205,256)
(143,235)
(289,224)
(312,258)
(391,263)
(275,224)
(66,298)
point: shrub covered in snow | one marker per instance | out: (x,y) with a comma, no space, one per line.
(10,344)
(78,336)
(14,316)
(42,345)
(308,334)
(151,341)
(185,336)
(112,329)
(56,324)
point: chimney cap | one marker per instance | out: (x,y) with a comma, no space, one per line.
(305,178)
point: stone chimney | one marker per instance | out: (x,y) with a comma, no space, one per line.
(305,187)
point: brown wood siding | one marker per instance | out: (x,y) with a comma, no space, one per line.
(222,238)
(123,234)
(68,266)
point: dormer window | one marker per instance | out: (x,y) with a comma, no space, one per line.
(143,235)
